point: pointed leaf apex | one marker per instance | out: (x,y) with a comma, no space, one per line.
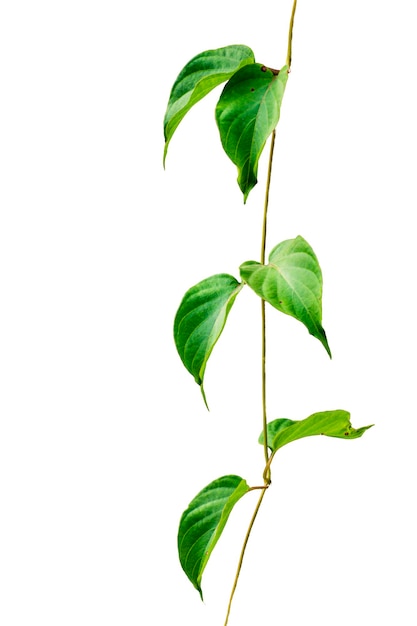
(200,321)
(203,393)
(325,343)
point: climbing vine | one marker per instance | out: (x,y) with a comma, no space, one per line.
(289,280)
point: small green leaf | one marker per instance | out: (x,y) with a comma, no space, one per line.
(202,74)
(203,522)
(247,112)
(200,320)
(292,283)
(329,423)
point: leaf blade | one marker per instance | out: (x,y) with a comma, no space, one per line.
(200,320)
(198,77)
(292,283)
(334,423)
(247,112)
(203,522)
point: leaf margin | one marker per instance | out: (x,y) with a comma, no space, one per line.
(240,488)
(226,110)
(216,328)
(248,269)
(314,424)
(174,114)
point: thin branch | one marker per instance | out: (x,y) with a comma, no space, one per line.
(289,53)
(263,312)
(268,457)
(266,201)
(242,554)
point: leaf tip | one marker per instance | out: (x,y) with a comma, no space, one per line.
(367,427)
(203,393)
(325,343)
(246,188)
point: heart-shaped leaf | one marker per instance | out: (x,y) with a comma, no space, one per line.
(292,283)
(202,74)
(200,320)
(247,112)
(330,423)
(203,522)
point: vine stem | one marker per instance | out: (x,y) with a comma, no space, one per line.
(242,553)
(289,52)
(268,457)
(263,312)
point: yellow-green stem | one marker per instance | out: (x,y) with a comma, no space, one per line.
(268,457)
(289,52)
(263,312)
(242,554)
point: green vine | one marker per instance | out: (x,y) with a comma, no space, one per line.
(263,307)
(290,281)
(289,50)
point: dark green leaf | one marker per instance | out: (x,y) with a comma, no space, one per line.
(202,74)
(203,522)
(200,320)
(246,114)
(330,423)
(292,283)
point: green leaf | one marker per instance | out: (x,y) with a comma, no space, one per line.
(247,112)
(203,522)
(200,320)
(329,423)
(202,74)
(292,283)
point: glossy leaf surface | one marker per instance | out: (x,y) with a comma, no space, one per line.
(202,74)
(247,112)
(329,423)
(203,522)
(292,283)
(200,320)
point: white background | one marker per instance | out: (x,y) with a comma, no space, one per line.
(104,437)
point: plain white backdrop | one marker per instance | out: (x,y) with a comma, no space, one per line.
(104,437)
